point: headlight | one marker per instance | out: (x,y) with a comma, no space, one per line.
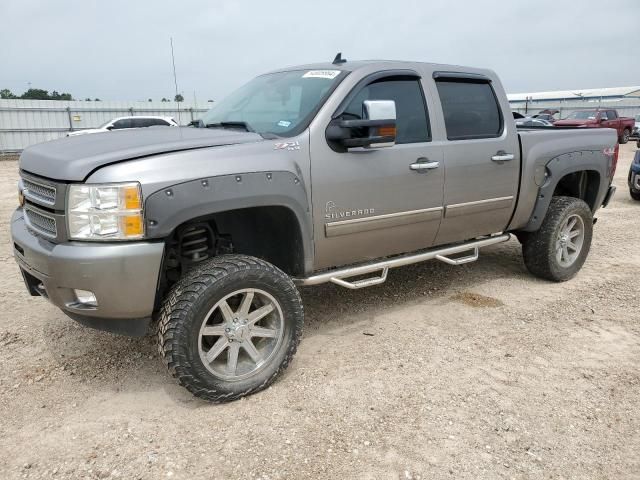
(105,212)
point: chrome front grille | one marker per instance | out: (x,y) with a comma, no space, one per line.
(38,192)
(41,223)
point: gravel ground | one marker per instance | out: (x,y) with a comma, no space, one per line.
(477,371)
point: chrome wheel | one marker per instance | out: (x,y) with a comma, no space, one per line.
(570,240)
(240,334)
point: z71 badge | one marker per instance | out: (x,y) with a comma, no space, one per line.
(287,146)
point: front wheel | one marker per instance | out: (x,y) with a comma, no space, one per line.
(230,327)
(634,194)
(560,247)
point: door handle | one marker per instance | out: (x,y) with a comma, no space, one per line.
(503,156)
(423,165)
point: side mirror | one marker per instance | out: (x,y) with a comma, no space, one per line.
(110,127)
(376,129)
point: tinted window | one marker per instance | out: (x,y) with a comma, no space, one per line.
(139,122)
(604,116)
(612,114)
(124,123)
(470,109)
(412,124)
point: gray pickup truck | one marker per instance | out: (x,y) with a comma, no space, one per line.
(333,172)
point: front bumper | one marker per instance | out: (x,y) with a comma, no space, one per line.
(122,276)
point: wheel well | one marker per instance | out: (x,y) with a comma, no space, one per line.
(583,184)
(271,233)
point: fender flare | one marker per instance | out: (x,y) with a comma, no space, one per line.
(172,206)
(556,169)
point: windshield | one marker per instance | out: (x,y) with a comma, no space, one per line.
(280,103)
(583,115)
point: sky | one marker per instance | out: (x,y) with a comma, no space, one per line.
(120,50)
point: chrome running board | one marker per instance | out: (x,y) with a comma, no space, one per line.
(340,276)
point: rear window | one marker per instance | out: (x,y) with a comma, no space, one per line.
(470,109)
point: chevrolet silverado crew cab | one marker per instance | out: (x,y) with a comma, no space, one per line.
(334,172)
(600,118)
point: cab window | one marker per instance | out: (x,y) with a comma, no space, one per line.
(470,109)
(412,124)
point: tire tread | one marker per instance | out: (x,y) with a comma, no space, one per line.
(538,248)
(176,308)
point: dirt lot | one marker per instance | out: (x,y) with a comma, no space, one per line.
(477,371)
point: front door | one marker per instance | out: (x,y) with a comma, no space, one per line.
(370,203)
(482,160)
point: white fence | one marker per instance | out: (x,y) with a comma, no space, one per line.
(25,122)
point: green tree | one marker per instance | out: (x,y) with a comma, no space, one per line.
(87,99)
(164,100)
(150,100)
(178,98)
(6,93)
(36,94)
(97,100)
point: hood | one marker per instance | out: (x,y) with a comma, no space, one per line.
(74,158)
(573,123)
(75,133)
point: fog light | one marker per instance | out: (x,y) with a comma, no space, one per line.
(86,297)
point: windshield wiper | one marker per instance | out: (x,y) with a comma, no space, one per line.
(243,125)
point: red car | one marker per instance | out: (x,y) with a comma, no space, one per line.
(600,118)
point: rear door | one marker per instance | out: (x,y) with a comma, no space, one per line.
(481,158)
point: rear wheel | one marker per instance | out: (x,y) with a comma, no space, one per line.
(625,136)
(560,247)
(230,327)
(635,195)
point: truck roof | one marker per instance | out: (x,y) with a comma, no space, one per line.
(352,66)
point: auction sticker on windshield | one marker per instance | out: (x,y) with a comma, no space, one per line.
(330,74)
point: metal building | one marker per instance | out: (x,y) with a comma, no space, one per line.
(25,122)
(624,99)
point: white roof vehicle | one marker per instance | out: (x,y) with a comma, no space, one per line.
(121,123)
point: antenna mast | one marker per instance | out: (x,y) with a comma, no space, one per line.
(175,79)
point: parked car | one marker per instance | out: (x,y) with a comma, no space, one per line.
(600,118)
(636,129)
(533,122)
(634,176)
(335,172)
(122,123)
(545,116)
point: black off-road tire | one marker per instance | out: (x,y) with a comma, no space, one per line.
(635,195)
(626,133)
(187,304)
(539,248)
